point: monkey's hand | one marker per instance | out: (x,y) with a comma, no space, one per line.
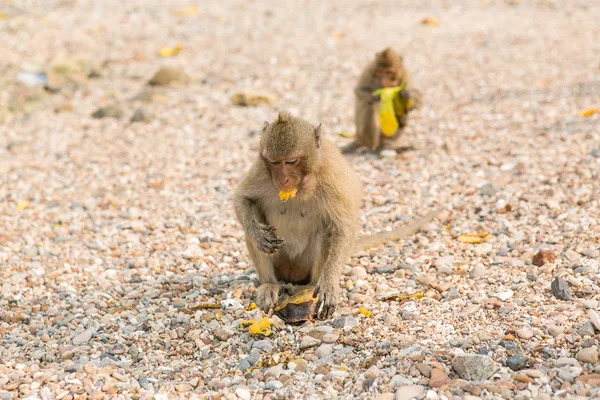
(266,239)
(267,295)
(328,299)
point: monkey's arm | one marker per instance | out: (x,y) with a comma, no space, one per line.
(366,94)
(397,234)
(251,217)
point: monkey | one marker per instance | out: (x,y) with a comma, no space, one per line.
(386,70)
(306,239)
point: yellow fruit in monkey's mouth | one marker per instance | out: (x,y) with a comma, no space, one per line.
(285,195)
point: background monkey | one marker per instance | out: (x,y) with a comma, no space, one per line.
(386,70)
(307,239)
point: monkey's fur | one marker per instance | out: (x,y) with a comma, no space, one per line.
(386,70)
(307,239)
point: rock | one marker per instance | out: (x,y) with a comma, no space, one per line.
(482,250)
(387,153)
(560,289)
(330,338)
(525,333)
(544,256)
(222,334)
(400,380)
(168,75)
(249,361)
(264,345)
(424,369)
(273,385)
(478,272)
(452,294)
(372,372)
(516,362)
(358,272)
(345,322)
(111,111)
(141,115)
(488,190)
(591,252)
(588,355)
(409,392)
(523,378)
(438,378)
(532,373)
(591,379)
(586,329)
(590,303)
(309,341)
(243,393)
(321,370)
(323,350)
(83,337)
(593,316)
(474,367)
(556,330)
(144,383)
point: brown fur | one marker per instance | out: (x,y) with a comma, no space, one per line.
(386,70)
(316,230)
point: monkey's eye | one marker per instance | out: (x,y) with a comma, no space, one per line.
(292,161)
(271,162)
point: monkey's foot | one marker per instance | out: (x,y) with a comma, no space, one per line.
(328,301)
(267,296)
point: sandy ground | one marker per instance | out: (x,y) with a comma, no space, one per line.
(113,234)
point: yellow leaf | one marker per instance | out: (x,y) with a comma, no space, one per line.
(589,112)
(22,205)
(345,134)
(364,311)
(285,195)
(475,238)
(218,316)
(251,307)
(3,15)
(339,35)
(250,99)
(186,12)
(430,22)
(170,51)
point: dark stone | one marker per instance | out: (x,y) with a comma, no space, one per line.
(560,289)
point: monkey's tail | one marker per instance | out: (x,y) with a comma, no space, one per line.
(397,234)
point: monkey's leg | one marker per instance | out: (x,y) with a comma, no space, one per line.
(338,244)
(367,124)
(267,294)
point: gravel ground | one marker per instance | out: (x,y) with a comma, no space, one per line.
(115,235)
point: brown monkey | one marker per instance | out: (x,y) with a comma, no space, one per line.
(306,239)
(386,70)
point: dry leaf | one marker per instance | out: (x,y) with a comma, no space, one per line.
(402,297)
(475,238)
(364,311)
(589,112)
(345,135)
(22,205)
(298,308)
(186,12)
(170,51)
(250,99)
(430,22)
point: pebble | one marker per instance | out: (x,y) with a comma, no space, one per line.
(532,373)
(479,271)
(388,153)
(594,318)
(424,369)
(591,252)
(525,333)
(474,367)
(482,250)
(323,350)
(345,322)
(409,392)
(438,378)
(168,75)
(111,111)
(543,257)
(308,341)
(588,355)
(516,362)
(358,272)
(400,380)
(243,393)
(264,345)
(330,338)
(587,329)
(83,337)
(560,289)
(273,385)
(141,115)
(222,334)
(372,372)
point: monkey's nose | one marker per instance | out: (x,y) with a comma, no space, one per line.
(284,181)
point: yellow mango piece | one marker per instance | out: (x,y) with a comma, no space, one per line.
(365,311)
(430,22)
(588,112)
(475,238)
(262,327)
(170,51)
(285,195)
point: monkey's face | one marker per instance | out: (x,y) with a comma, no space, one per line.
(387,78)
(287,173)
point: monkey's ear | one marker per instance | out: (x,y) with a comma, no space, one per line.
(318,140)
(265,126)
